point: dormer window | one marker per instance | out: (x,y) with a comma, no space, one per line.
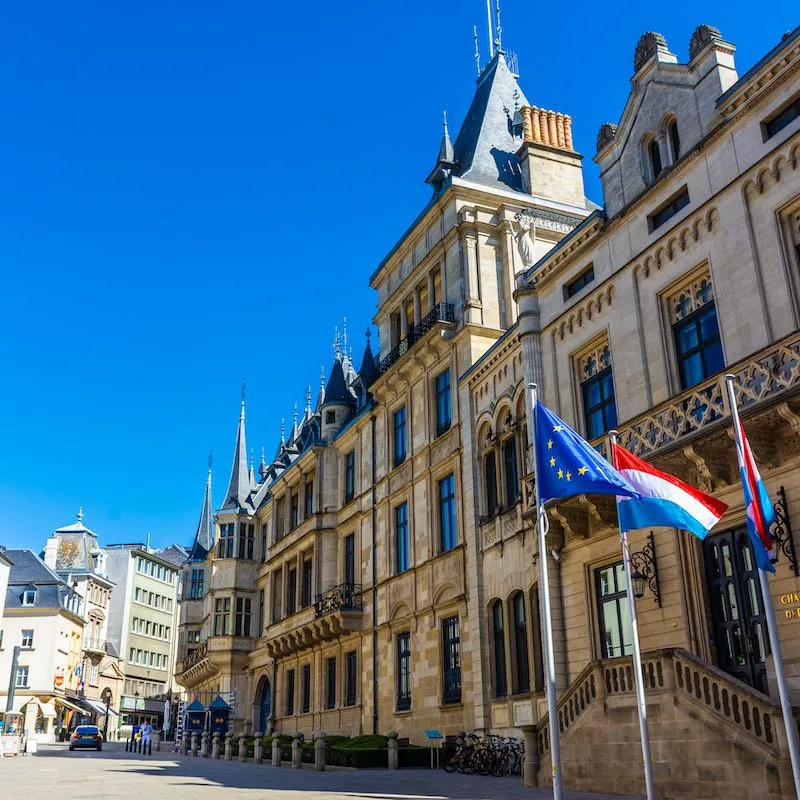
(674,139)
(29,597)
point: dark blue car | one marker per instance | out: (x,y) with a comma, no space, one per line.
(86,736)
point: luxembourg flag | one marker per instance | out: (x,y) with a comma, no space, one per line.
(664,500)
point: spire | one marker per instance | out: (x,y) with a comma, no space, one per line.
(204,538)
(321,395)
(295,429)
(445,162)
(498,39)
(337,347)
(239,486)
(369,369)
(477,49)
(252,473)
(308,400)
(283,432)
(262,470)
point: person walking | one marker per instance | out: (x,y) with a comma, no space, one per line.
(147,732)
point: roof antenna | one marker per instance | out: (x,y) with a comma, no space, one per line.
(477,49)
(498,41)
(491,32)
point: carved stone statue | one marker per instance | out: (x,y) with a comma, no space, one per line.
(525,240)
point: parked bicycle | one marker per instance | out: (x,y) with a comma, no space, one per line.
(492,755)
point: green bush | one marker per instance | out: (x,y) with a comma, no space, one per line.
(366,742)
(360,758)
(412,756)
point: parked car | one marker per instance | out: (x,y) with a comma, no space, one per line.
(86,736)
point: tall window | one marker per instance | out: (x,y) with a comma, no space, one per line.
(247,539)
(226,538)
(196,581)
(291,591)
(350,476)
(21,681)
(307,585)
(490,471)
(294,511)
(654,152)
(308,500)
(444,410)
(263,543)
(499,647)
(330,695)
(522,670)
(222,616)
(447,514)
(306,690)
(674,139)
(290,693)
(697,345)
(280,517)
(27,638)
(399,436)
(260,612)
(401,537)
(350,559)
(350,677)
(403,671)
(599,404)
(244,608)
(510,467)
(451,651)
(616,634)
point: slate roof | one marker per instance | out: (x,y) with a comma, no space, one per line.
(29,571)
(337,391)
(204,536)
(239,487)
(174,554)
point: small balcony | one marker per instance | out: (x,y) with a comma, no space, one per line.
(94,647)
(344,597)
(441,313)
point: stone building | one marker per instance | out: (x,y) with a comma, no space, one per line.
(380,573)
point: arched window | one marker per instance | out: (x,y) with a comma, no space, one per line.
(654,154)
(674,139)
(499,648)
(511,471)
(490,474)
(522,675)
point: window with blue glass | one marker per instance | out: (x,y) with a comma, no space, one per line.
(511,470)
(401,537)
(444,409)
(599,405)
(447,513)
(349,476)
(697,345)
(399,436)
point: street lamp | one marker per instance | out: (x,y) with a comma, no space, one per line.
(106,696)
(638,580)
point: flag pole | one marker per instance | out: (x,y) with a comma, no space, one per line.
(638,672)
(544,583)
(772,627)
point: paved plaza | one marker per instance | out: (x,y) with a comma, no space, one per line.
(57,773)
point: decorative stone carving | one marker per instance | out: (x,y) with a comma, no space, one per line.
(525,240)
(648,46)
(595,360)
(690,298)
(702,35)
(606,135)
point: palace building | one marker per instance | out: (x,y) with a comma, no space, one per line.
(381,572)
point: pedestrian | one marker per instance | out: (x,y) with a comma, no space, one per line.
(147,731)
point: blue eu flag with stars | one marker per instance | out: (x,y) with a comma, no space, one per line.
(568,465)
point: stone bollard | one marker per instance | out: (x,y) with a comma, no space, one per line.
(229,745)
(319,752)
(276,752)
(184,743)
(242,748)
(157,740)
(194,743)
(204,744)
(530,765)
(393,752)
(297,751)
(258,749)
(215,744)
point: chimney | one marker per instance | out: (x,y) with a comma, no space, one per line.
(51,552)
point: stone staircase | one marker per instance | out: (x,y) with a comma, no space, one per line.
(711,736)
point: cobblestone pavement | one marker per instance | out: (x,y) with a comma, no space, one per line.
(57,773)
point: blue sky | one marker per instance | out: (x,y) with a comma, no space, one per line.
(195,192)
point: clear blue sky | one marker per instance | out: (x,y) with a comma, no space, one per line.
(195,192)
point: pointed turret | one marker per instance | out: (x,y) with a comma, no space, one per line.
(369,369)
(446,163)
(204,538)
(239,487)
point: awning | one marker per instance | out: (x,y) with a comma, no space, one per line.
(47,709)
(100,707)
(70,704)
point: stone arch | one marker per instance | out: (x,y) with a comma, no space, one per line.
(262,705)
(445,593)
(400,610)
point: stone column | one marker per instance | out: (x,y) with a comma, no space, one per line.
(319,752)
(403,321)
(194,744)
(229,745)
(471,271)
(567,131)
(431,292)
(215,745)
(527,123)
(530,766)
(276,752)
(242,748)
(204,744)
(417,306)
(258,748)
(552,129)
(297,751)
(393,753)
(544,130)
(560,130)
(443,277)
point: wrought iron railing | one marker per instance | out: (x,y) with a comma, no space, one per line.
(440,313)
(196,656)
(94,644)
(344,597)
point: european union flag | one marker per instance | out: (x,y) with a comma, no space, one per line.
(568,465)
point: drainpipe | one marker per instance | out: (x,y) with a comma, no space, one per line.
(12,681)
(374,590)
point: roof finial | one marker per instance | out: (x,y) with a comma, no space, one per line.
(477,49)
(244,396)
(446,132)
(283,432)
(322,377)
(336,345)
(80,514)
(252,458)
(210,460)
(491,31)
(263,460)
(344,334)
(498,41)
(308,399)
(369,333)
(295,414)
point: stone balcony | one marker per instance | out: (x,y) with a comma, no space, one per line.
(441,313)
(95,648)
(335,612)
(212,657)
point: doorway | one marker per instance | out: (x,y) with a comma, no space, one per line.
(737,607)
(264,705)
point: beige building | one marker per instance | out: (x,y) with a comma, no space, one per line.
(380,574)
(5,569)
(44,618)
